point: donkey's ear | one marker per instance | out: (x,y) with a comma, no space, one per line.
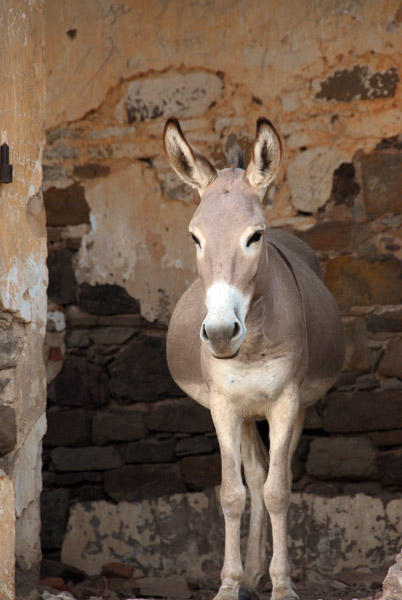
(266,160)
(191,166)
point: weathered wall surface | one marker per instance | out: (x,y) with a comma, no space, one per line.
(174,534)
(7,535)
(328,74)
(23,281)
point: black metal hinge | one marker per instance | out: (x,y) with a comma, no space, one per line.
(6,170)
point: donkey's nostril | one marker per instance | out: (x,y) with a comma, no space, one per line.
(236,329)
(204,332)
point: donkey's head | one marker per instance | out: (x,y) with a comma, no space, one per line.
(228,229)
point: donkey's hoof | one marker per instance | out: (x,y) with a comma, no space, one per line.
(284,592)
(246,593)
(227,594)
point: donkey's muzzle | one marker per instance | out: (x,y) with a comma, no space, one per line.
(223,337)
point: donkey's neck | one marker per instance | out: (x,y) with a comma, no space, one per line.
(276,307)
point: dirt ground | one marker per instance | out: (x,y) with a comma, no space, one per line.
(305,593)
(312,592)
(116,582)
(333,591)
(181,589)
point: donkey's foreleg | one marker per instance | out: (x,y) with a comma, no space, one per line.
(255,462)
(285,423)
(298,428)
(233,494)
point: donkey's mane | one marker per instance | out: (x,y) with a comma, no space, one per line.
(235,157)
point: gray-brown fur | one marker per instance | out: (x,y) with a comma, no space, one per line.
(256,335)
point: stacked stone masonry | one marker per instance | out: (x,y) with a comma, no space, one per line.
(119,256)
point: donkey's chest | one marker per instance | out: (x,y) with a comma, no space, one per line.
(250,385)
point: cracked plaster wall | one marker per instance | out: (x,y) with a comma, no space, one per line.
(328,74)
(23,282)
(118,69)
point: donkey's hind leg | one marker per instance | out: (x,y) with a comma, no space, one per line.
(255,462)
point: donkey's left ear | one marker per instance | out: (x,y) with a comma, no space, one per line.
(189,164)
(267,153)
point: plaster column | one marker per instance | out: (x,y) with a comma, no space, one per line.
(23,283)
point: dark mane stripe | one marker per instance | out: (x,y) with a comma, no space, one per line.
(235,157)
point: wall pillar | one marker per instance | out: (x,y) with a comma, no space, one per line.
(23,282)
(7,533)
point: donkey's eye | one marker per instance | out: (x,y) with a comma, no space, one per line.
(196,240)
(254,238)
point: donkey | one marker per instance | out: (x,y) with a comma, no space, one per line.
(256,336)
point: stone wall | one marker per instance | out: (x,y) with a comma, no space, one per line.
(328,75)
(23,282)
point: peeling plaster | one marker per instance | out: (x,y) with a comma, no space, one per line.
(23,272)
(330,534)
(310,177)
(127,247)
(58,319)
(27,478)
(306,47)
(359,83)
